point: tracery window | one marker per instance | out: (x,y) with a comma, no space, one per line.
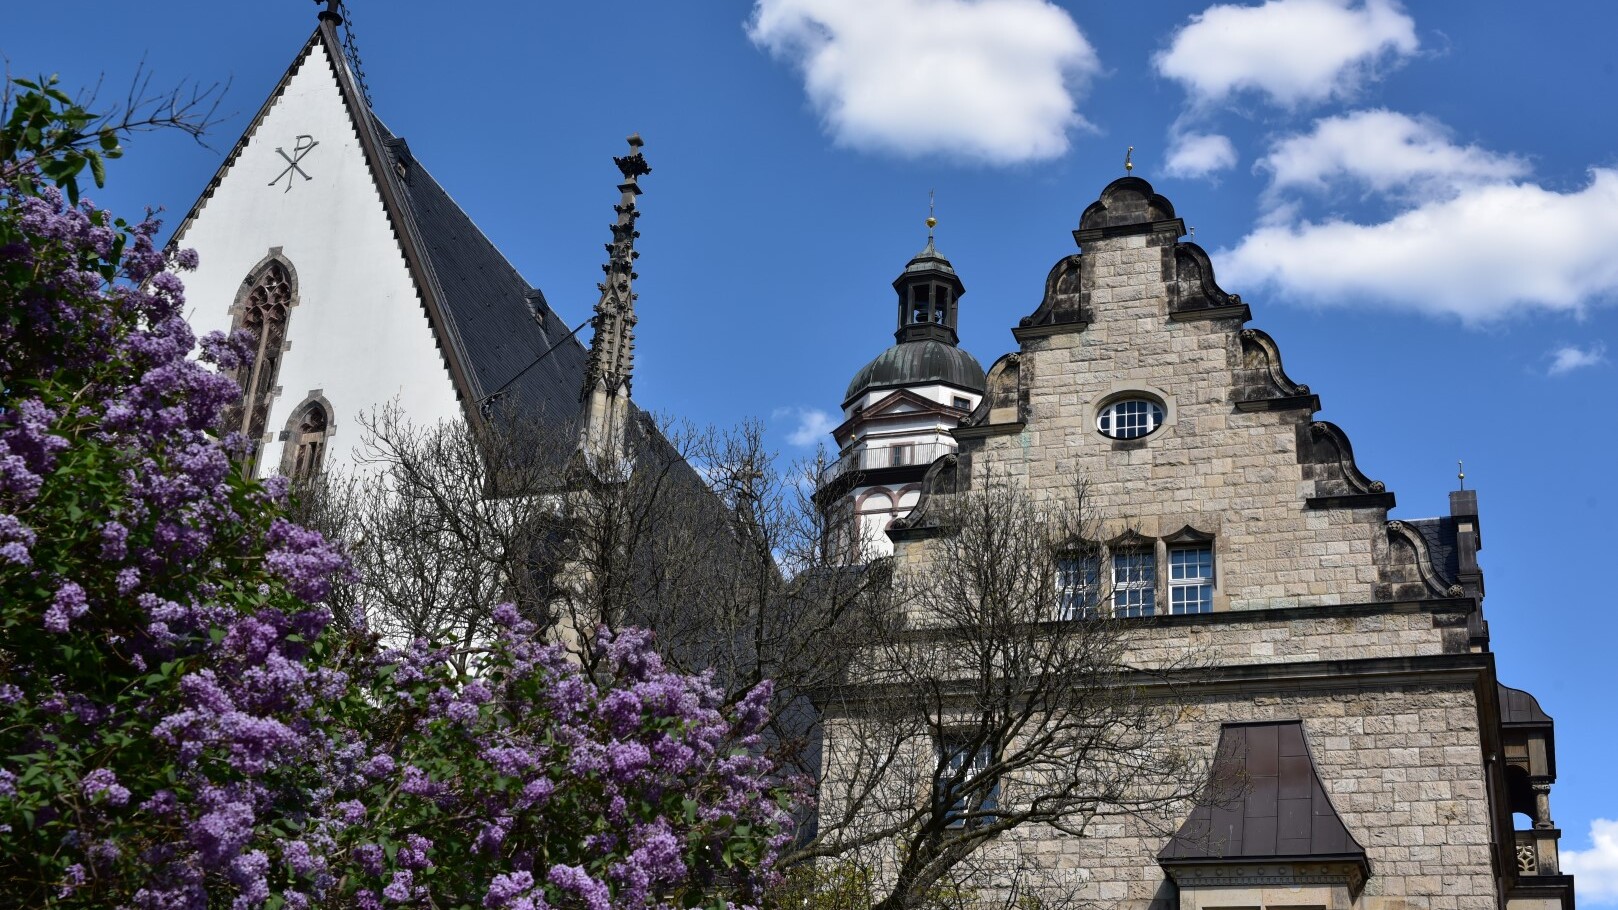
(306,440)
(264,312)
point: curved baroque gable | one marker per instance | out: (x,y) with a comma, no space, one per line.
(1127,200)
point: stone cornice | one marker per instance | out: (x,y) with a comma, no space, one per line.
(988,429)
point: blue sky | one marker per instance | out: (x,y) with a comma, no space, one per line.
(1419,203)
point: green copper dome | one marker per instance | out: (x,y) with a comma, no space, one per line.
(918,363)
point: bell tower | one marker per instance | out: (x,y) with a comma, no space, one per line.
(929,296)
(900,407)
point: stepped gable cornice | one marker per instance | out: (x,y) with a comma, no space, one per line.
(1004,407)
(362,122)
(1194,295)
(948,475)
(1127,206)
(1062,308)
(1328,460)
(1438,584)
(1262,384)
(241,141)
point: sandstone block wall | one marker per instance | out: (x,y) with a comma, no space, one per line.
(1402,767)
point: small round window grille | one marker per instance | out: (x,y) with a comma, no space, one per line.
(1129,418)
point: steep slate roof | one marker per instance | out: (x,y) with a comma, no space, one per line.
(500,322)
(1264,803)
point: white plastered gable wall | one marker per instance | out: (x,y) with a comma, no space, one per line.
(358,332)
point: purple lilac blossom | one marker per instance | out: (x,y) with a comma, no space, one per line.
(247,715)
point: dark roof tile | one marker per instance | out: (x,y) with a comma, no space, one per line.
(501,322)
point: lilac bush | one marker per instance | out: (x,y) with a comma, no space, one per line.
(181,726)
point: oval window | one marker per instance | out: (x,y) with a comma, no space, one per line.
(1129,418)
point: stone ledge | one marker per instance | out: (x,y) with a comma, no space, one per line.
(1024,334)
(1177,225)
(1284,403)
(1352,501)
(987,430)
(1234,311)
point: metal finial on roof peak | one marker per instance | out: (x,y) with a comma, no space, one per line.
(1129,164)
(932,221)
(1460,473)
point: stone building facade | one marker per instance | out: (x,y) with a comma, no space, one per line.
(1346,678)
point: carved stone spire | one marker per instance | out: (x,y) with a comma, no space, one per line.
(609,370)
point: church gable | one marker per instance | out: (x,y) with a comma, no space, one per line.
(401,299)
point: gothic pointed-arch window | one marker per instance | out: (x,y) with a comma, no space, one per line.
(307,437)
(308,442)
(263,309)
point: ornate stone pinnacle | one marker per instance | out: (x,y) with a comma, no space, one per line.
(611,358)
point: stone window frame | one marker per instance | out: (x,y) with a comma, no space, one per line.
(1184,540)
(1078,599)
(1078,582)
(1121,391)
(291,443)
(1081,567)
(241,417)
(1136,555)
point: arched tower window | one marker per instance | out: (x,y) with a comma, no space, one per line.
(306,438)
(263,308)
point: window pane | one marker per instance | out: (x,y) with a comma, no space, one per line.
(1191,579)
(1077,586)
(962,766)
(1134,584)
(1130,418)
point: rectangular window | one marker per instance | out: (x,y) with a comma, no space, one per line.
(899,455)
(1134,583)
(1077,586)
(1191,579)
(963,404)
(961,786)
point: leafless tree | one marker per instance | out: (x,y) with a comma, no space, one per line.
(941,705)
(994,701)
(701,538)
(430,522)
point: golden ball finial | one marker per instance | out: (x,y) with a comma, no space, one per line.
(931,222)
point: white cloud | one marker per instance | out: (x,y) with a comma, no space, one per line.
(1384,151)
(1199,154)
(1292,51)
(1568,358)
(813,425)
(1488,250)
(1597,867)
(988,80)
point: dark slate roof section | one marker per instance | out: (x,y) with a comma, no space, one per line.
(1264,802)
(1440,535)
(918,363)
(1519,707)
(501,323)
